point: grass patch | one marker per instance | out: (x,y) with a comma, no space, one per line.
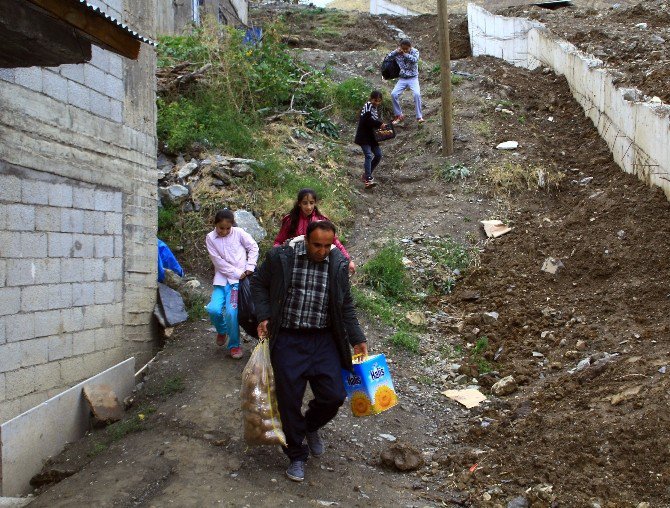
(389,295)
(405,340)
(483,128)
(451,259)
(391,314)
(453,172)
(172,385)
(326,32)
(376,305)
(512,178)
(119,430)
(477,355)
(97,448)
(386,273)
(456,79)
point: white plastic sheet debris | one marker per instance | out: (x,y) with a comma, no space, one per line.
(508,145)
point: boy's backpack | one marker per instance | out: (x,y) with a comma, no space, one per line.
(390,68)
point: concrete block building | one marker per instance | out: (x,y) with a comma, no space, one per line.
(173,16)
(78,205)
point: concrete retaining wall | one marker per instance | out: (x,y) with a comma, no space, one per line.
(638,133)
(385,7)
(28,440)
(78,213)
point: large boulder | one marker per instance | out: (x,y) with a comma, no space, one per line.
(221,173)
(505,386)
(402,456)
(241,170)
(248,222)
(188,169)
(174,194)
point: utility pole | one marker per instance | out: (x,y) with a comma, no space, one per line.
(445,75)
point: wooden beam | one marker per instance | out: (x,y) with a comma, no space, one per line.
(31,37)
(99,30)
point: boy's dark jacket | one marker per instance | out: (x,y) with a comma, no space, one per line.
(368,121)
(269,287)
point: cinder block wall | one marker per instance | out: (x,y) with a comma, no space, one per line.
(637,132)
(77,217)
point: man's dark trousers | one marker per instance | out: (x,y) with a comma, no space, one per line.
(299,356)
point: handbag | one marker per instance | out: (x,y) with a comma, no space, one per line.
(390,68)
(386,133)
(246,312)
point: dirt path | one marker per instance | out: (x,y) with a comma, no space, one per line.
(567,437)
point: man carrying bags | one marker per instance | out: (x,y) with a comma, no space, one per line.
(304,305)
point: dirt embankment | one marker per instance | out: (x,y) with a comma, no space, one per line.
(631,39)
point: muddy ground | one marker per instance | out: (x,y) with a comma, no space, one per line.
(588,346)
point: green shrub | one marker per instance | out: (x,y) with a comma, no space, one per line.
(350,95)
(222,109)
(318,121)
(204,118)
(167,219)
(453,172)
(386,273)
(181,48)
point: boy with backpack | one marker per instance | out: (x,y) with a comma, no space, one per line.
(407,58)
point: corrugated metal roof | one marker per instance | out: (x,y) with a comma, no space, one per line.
(123,26)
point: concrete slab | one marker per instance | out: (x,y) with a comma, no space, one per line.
(28,440)
(14,502)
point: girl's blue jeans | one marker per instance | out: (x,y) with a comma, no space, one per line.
(373,154)
(222,310)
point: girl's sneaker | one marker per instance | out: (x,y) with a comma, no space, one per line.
(236,352)
(221,339)
(370,183)
(398,119)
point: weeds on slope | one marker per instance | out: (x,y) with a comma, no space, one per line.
(395,289)
(227,112)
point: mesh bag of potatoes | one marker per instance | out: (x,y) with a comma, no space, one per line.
(262,425)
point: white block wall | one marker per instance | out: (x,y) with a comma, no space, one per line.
(378,7)
(638,133)
(77,220)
